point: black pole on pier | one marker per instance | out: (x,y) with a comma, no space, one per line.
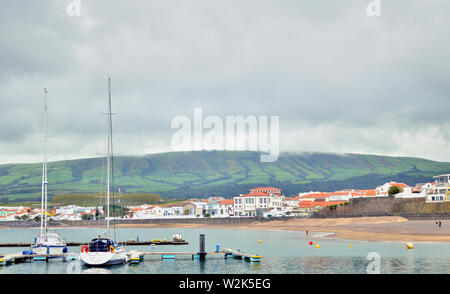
(202,251)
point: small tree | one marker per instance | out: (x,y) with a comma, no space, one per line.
(394,190)
(86,217)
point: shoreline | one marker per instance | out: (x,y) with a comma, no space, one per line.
(371,229)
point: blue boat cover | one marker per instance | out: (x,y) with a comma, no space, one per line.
(101,245)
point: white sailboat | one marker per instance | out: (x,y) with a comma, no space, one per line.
(46,242)
(103,251)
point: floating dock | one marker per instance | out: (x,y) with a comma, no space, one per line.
(19,257)
(242,255)
(136,257)
(126,243)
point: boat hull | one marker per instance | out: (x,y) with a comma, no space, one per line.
(100,259)
(50,249)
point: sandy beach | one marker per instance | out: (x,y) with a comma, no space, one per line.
(389,228)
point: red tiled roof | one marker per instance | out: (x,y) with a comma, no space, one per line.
(327,203)
(316,195)
(265,188)
(226,202)
(368,192)
(253,194)
(306,204)
(399,184)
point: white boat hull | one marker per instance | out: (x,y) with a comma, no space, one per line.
(103,258)
(43,249)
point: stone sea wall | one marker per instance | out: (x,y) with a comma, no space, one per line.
(207,221)
(413,208)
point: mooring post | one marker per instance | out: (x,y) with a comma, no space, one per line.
(202,252)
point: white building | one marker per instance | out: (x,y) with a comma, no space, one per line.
(70,210)
(384,189)
(440,191)
(258,201)
(226,208)
(147,211)
(172,211)
(214,205)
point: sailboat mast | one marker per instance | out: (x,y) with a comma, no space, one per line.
(109,154)
(44,169)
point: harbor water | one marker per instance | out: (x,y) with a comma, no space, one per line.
(283,252)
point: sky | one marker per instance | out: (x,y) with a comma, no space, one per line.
(340,80)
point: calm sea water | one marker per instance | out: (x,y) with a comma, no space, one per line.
(282,252)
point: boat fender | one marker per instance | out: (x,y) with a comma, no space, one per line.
(84,249)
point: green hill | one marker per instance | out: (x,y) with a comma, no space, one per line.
(224,173)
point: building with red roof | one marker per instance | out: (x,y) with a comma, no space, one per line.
(257,201)
(268,190)
(226,208)
(384,189)
(313,196)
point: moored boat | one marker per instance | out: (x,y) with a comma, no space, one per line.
(46,242)
(103,251)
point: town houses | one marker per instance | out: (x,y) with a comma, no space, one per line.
(258,202)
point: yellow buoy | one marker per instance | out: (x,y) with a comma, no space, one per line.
(409,245)
(259,241)
(317,246)
(351,246)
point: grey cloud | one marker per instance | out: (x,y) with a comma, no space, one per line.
(317,64)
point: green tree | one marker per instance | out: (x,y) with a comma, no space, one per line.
(394,190)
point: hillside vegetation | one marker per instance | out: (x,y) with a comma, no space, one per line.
(91,200)
(216,173)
